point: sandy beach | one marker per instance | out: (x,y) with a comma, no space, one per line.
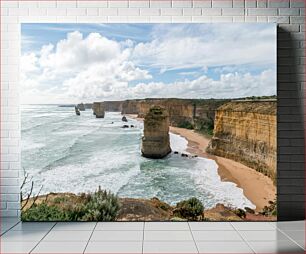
(258,188)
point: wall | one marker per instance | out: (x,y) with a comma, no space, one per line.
(289,14)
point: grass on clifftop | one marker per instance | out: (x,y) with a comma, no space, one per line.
(98,206)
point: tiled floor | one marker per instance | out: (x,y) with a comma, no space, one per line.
(152,237)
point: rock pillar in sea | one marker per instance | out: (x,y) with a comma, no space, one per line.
(81,106)
(98,109)
(156,140)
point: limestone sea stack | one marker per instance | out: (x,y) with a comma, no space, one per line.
(77,111)
(156,140)
(81,107)
(98,109)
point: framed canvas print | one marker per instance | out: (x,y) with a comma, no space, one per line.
(148,122)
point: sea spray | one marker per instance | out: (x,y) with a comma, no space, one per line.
(82,153)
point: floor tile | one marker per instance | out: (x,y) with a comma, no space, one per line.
(60,247)
(114,247)
(33,226)
(252,226)
(291,225)
(276,247)
(5,226)
(22,236)
(166,226)
(273,235)
(120,226)
(211,226)
(216,236)
(224,247)
(17,247)
(167,236)
(297,235)
(106,236)
(69,236)
(69,226)
(169,247)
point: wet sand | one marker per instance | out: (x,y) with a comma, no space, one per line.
(258,188)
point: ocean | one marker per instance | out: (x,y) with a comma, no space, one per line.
(63,152)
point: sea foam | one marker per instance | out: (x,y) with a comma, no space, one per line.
(82,153)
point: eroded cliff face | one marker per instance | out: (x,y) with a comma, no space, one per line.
(178,110)
(156,140)
(245,131)
(190,113)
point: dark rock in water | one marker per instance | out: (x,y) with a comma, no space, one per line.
(112,122)
(125,126)
(249,210)
(132,126)
(81,107)
(77,111)
(184,155)
(194,156)
(156,141)
(176,152)
(124,119)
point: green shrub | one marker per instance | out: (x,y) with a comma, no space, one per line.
(190,209)
(270,210)
(98,206)
(43,212)
(102,206)
(186,125)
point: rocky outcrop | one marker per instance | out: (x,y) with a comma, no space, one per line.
(124,119)
(155,140)
(81,107)
(245,131)
(77,111)
(98,109)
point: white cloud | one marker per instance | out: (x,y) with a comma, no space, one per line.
(76,53)
(94,67)
(176,47)
(83,68)
(229,86)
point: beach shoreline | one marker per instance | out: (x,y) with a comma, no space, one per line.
(258,188)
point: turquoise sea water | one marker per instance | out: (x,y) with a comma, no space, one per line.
(68,153)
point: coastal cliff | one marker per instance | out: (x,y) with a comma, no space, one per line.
(156,140)
(187,113)
(195,114)
(245,131)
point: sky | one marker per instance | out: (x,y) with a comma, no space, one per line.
(73,63)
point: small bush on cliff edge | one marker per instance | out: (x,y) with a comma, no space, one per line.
(44,212)
(189,209)
(98,206)
(102,206)
(185,125)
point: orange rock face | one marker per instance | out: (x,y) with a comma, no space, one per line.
(155,140)
(245,131)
